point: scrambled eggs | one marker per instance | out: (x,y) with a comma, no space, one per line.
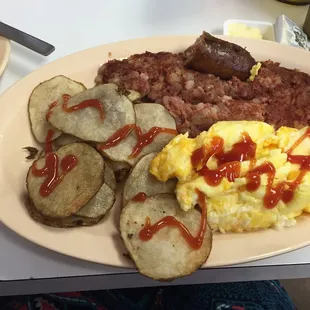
(230,206)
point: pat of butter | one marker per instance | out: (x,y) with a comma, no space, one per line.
(242,30)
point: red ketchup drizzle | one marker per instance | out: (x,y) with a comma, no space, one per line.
(241,151)
(273,193)
(200,157)
(140,197)
(143,139)
(214,177)
(93,103)
(147,138)
(303,161)
(229,167)
(117,137)
(229,162)
(285,190)
(48,141)
(194,242)
(50,170)
(50,110)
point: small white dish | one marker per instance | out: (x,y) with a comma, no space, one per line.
(266,28)
(5,50)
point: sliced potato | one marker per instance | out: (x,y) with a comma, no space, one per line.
(86,123)
(140,180)
(167,255)
(65,139)
(100,204)
(63,222)
(42,97)
(76,188)
(91,214)
(121,151)
(148,115)
(109,177)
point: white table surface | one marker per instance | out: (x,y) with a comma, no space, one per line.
(71,26)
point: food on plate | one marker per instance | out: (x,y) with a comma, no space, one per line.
(109,176)
(43,98)
(99,113)
(72,184)
(278,96)
(140,181)
(221,58)
(252,176)
(153,129)
(62,182)
(238,165)
(80,194)
(92,213)
(65,139)
(100,204)
(163,241)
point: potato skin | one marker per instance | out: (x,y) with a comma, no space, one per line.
(76,189)
(166,256)
(91,214)
(42,96)
(67,222)
(140,180)
(221,58)
(118,112)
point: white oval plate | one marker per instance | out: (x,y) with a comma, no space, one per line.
(5,50)
(102,243)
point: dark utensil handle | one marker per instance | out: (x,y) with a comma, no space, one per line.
(26,40)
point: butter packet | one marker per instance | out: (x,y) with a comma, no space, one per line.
(287,32)
(249,28)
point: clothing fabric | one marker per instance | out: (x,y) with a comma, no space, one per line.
(258,295)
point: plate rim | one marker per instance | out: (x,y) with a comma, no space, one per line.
(6,54)
(28,76)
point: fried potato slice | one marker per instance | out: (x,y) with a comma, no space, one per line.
(109,177)
(167,255)
(86,123)
(76,188)
(65,139)
(100,204)
(61,222)
(140,180)
(148,115)
(90,214)
(42,97)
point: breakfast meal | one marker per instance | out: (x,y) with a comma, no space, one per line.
(201,142)
(215,56)
(249,174)
(277,95)
(157,249)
